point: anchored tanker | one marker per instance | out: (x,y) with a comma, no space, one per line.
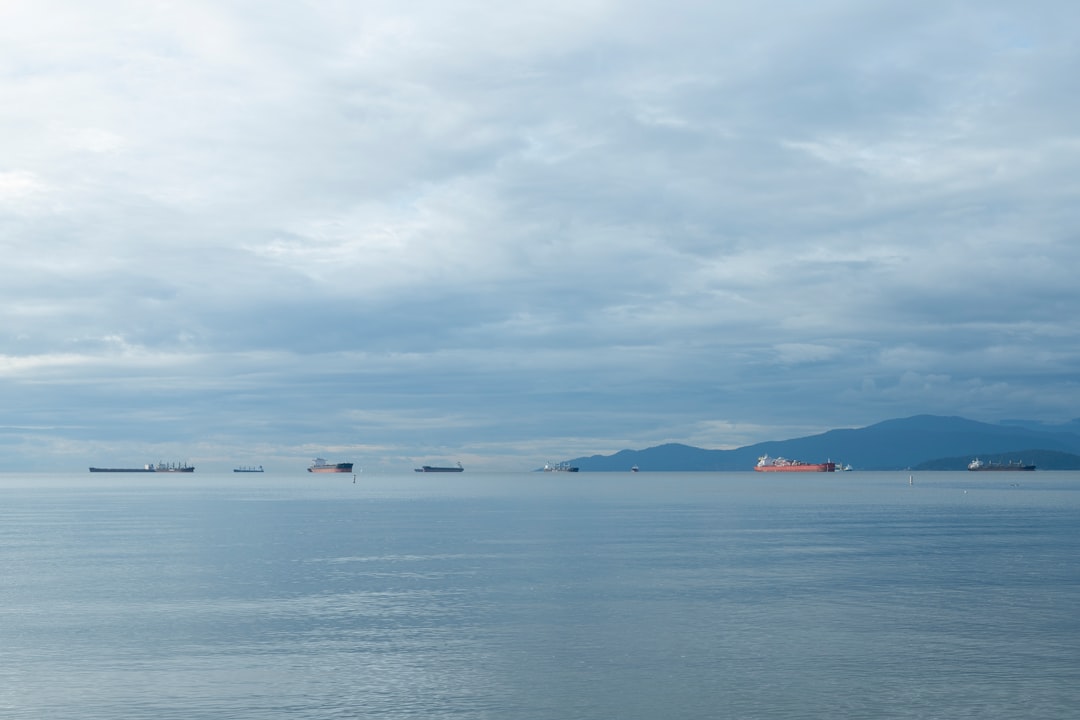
(321,466)
(779,464)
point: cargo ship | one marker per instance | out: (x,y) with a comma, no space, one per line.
(435,468)
(560,467)
(321,466)
(978,464)
(245,468)
(149,468)
(779,464)
(177,468)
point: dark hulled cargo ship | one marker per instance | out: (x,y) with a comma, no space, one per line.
(436,468)
(979,465)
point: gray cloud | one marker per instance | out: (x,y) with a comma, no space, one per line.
(511,235)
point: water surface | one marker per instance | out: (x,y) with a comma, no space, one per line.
(595,595)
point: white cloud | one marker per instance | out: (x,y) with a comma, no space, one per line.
(23,192)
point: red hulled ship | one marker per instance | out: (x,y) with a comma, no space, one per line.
(321,466)
(779,464)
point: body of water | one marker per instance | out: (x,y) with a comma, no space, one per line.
(540,596)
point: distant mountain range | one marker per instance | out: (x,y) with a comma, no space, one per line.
(923,442)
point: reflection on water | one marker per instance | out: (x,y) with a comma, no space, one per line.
(527,596)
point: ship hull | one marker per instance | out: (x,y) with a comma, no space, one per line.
(429,468)
(337,468)
(819,467)
(1006,468)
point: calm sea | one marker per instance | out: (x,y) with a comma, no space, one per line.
(540,596)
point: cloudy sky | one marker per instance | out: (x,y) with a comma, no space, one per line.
(404,231)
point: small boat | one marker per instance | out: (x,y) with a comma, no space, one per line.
(634,469)
(435,468)
(253,468)
(321,466)
(779,464)
(978,464)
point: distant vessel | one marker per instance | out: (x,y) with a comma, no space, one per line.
(170,468)
(435,468)
(560,467)
(779,464)
(244,468)
(634,469)
(150,468)
(978,464)
(321,466)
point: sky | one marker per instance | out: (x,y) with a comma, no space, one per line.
(394,233)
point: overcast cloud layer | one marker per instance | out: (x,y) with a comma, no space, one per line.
(508,233)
